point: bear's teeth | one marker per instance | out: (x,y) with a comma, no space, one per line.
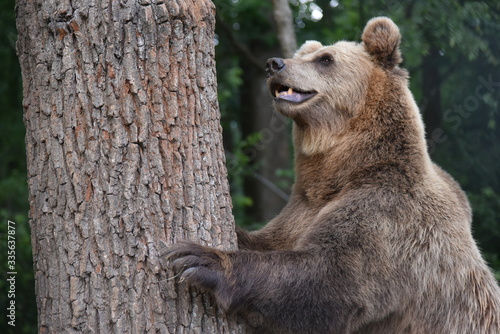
(283,93)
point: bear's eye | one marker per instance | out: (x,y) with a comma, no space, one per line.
(326,59)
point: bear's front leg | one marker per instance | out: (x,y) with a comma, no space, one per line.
(305,291)
(204,267)
(249,241)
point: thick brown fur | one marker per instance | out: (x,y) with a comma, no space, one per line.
(376,238)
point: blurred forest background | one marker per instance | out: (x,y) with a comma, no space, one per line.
(450,47)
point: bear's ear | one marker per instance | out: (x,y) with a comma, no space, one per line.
(381,39)
(306,48)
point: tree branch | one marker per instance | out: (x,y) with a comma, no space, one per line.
(239,47)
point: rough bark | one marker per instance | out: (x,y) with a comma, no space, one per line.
(125,157)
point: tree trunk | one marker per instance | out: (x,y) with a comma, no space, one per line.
(283,17)
(125,157)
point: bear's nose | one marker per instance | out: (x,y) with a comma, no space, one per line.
(274,65)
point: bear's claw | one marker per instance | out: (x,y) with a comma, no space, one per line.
(196,264)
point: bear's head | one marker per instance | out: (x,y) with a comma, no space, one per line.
(322,87)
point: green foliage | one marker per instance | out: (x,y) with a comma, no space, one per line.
(239,167)
(286,178)
(250,19)
(230,81)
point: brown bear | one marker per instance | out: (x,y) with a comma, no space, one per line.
(376,238)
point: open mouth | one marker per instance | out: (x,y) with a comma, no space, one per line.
(281,92)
